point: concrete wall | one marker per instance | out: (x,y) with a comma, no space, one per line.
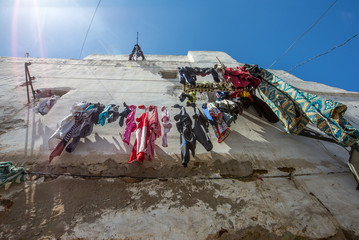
(255,146)
(113,79)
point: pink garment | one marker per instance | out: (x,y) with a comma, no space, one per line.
(139,148)
(130,125)
(154,132)
(166,125)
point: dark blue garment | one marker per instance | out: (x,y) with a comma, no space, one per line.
(189,74)
(200,129)
(187,137)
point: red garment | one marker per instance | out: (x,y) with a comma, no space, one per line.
(155,132)
(57,151)
(139,148)
(241,78)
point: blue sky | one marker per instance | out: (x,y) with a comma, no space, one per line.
(251,31)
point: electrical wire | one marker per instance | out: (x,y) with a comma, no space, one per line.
(88,30)
(166,178)
(302,34)
(323,53)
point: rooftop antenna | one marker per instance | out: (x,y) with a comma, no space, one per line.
(136,51)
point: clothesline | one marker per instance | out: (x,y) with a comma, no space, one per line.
(79,124)
(294,108)
(281,102)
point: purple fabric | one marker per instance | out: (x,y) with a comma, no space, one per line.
(130,125)
(155,132)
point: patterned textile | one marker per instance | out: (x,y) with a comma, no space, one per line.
(220,128)
(296,108)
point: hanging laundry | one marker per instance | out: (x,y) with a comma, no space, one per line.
(130,125)
(84,130)
(60,147)
(254,70)
(142,134)
(200,129)
(296,108)
(206,87)
(229,109)
(191,97)
(187,137)
(113,114)
(245,99)
(46,104)
(66,124)
(244,93)
(240,77)
(76,125)
(166,125)
(124,114)
(215,117)
(154,132)
(10,173)
(264,110)
(105,114)
(188,74)
(99,109)
(221,71)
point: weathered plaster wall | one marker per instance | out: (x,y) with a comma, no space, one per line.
(319,200)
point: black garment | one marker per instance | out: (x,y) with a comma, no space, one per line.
(264,110)
(124,114)
(83,131)
(230,110)
(113,114)
(261,108)
(95,116)
(60,147)
(200,129)
(253,69)
(188,74)
(187,137)
(138,51)
(183,97)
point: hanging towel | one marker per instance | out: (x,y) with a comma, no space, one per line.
(139,148)
(154,132)
(215,117)
(296,108)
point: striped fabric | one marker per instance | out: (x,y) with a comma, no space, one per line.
(296,108)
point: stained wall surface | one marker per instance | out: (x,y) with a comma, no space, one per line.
(302,176)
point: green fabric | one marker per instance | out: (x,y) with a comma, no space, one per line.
(10,173)
(296,108)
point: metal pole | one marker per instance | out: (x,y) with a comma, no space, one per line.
(27,84)
(137,37)
(30,79)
